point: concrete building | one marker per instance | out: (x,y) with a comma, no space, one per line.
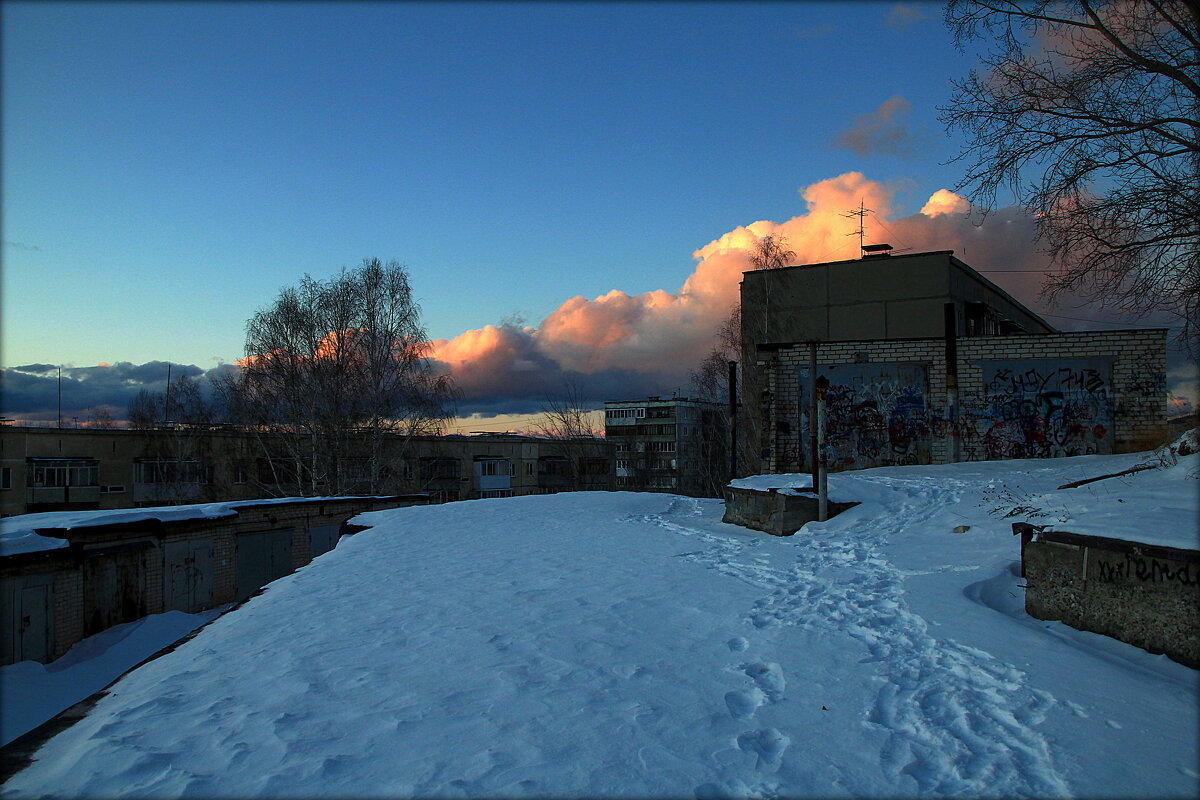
(52,469)
(668,445)
(930,362)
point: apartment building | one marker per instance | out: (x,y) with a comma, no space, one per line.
(670,444)
(53,469)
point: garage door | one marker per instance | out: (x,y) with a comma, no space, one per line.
(262,556)
(189,572)
(26,618)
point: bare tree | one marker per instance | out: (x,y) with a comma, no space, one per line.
(710,381)
(566,423)
(770,252)
(102,418)
(334,370)
(1089,111)
(145,409)
(176,465)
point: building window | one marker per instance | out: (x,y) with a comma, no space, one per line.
(554,466)
(168,470)
(625,413)
(46,474)
(529,468)
(490,467)
(355,470)
(5,477)
(239,474)
(283,471)
(440,469)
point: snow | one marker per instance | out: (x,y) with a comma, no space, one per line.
(18,534)
(14,541)
(621,644)
(31,693)
(1155,508)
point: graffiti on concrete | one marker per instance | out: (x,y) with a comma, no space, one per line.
(1147,570)
(1044,408)
(875,414)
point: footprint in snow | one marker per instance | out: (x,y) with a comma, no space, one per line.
(742,704)
(768,744)
(768,676)
(737,644)
(723,791)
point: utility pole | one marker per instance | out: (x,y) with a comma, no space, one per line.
(60,395)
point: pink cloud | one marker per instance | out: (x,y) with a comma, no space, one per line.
(620,345)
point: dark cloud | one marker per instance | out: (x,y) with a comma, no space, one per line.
(511,374)
(881,132)
(32,391)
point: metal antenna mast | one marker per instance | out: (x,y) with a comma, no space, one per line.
(861,213)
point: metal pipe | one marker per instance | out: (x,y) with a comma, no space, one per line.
(950,314)
(822,467)
(812,411)
(733,407)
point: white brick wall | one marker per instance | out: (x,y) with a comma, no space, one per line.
(1138,386)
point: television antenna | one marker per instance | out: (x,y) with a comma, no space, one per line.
(861,212)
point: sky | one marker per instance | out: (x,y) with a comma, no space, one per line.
(571,186)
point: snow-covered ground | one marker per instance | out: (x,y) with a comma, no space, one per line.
(632,644)
(31,693)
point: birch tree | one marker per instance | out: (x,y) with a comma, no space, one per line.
(1089,112)
(337,373)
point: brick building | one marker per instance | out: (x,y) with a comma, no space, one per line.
(929,362)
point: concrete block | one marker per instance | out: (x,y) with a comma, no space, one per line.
(774,512)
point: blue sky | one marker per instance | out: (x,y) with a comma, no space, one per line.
(168,167)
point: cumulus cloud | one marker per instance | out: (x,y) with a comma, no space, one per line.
(944,201)
(881,132)
(623,346)
(619,345)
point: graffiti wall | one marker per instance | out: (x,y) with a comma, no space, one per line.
(1044,408)
(875,415)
